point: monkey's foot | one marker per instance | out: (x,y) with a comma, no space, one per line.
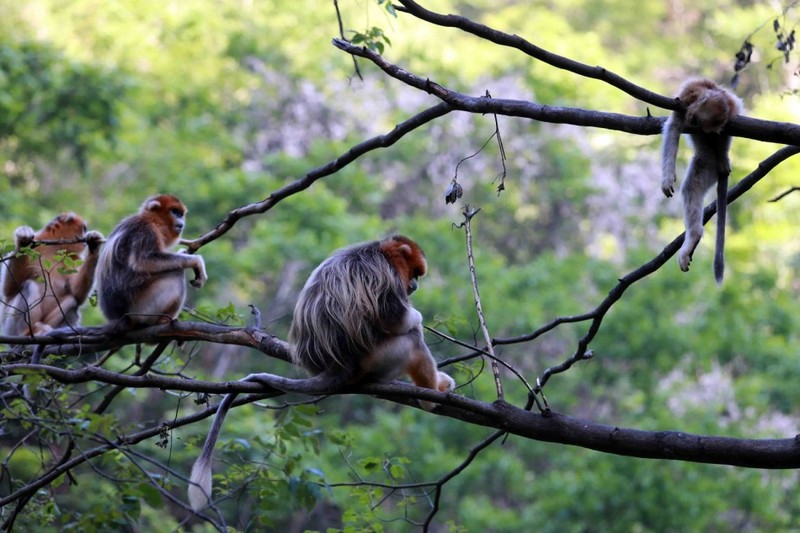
(668,186)
(684,259)
(445,383)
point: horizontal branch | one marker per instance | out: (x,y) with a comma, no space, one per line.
(747,127)
(547,427)
(87,339)
(670,445)
(536,52)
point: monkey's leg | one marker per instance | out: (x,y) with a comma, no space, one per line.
(692,191)
(24,310)
(424,373)
(160,302)
(64,312)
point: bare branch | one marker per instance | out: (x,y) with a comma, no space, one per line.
(750,128)
(517,42)
(784,194)
(341,34)
(86,340)
(467,224)
(597,315)
(380,141)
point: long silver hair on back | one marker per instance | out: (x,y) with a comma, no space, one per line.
(352,301)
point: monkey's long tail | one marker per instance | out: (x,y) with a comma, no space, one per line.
(722,212)
(199,491)
(200,481)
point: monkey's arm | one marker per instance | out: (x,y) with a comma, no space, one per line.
(84,278)
(669,151)
(158,262)
(16,267)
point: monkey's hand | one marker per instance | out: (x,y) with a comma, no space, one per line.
(668,185)
(23,236)
(93,240)
(200,276)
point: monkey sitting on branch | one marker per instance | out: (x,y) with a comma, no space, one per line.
(708,107)
(139,279)
(353,323)
(42,290)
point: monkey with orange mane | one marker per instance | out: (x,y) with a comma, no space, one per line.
(139,279)
(353,323)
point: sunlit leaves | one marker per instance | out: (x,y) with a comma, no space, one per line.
(373,38)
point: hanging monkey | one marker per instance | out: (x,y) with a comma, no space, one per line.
(708,107)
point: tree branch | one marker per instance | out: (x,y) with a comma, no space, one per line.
(597,314)
(515,41)
(750,128)
(380,141)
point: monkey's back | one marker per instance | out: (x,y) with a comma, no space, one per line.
(351,302)
(119,284)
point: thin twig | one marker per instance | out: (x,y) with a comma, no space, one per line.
(341,34)
(468,214)
(786,193)
(473,453)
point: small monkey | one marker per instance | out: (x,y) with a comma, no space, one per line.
(139,279)
(709,107)
(353,323)
(39,293)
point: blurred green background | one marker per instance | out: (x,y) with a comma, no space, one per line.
(222,102)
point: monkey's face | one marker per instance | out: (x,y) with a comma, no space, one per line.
(177,217)
(416,271)
(413,285)
(407,259)
(167,214)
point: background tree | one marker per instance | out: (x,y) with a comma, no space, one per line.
(284,150)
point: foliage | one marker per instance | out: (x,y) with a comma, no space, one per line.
(224,103)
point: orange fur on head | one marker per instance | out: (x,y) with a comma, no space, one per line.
(159,211)
(407,258)
(64,227)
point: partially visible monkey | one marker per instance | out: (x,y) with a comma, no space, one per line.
(139,279)
(40,292)
(708,107)
(353,323)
